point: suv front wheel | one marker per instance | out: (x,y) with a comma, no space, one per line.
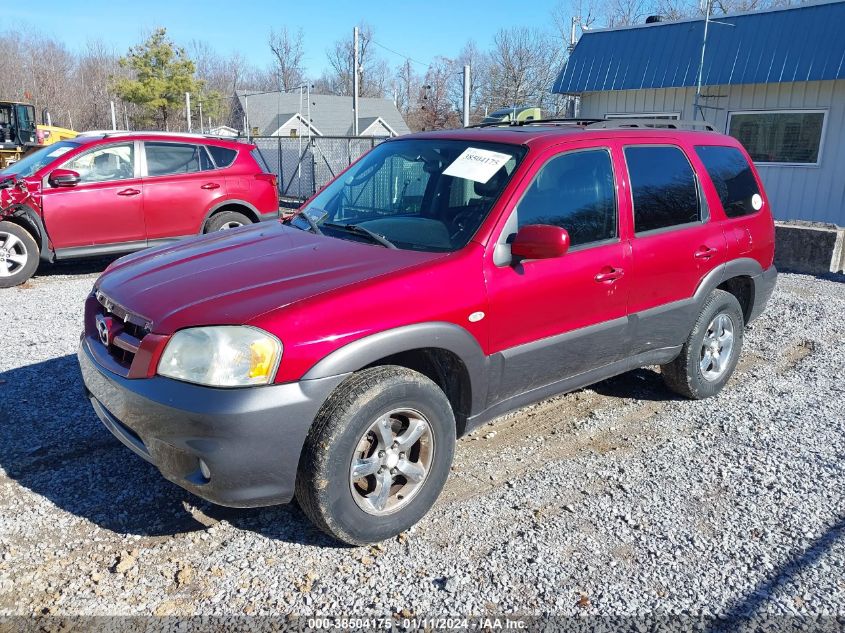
(18,254)
(377,455)
(711,352)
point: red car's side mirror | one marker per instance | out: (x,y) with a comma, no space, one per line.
(540,241)
(63,178)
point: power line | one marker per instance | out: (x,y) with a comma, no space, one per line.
(390,50)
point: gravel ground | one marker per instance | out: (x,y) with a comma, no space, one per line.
(614,501)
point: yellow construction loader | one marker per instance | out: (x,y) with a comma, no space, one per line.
(20,134)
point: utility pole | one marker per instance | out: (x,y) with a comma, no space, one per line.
(188,109)
(707,6)
(246,116)
(199,103)
(466,95)
(113,120)
(355,81)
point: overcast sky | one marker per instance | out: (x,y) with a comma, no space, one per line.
(420,30)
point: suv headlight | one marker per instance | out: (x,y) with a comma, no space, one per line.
(221,356)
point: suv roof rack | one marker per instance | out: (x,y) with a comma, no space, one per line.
(672,124)
(552,121)
(115,133)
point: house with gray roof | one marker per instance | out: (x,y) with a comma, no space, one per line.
(289,114)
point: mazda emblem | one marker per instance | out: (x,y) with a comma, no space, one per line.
(103,327)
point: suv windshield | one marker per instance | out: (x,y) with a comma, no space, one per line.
(420,194)
(28,165)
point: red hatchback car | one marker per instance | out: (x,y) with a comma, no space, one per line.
(442,280)
(115,193)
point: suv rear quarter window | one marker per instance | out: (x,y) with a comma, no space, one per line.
(258,158)
(222,156)
(663,187)
(732,176)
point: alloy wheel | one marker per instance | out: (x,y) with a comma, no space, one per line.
(391,461)
(13,254)
(717,347)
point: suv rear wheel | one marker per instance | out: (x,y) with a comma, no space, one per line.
(377,455)
(226,220)
(710,354)
(18,254)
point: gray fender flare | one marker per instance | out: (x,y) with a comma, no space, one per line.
(742,267)
(441,335)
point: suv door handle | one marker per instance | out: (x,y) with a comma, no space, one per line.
(704,252)
(609,274)
(129,192)
(210,185)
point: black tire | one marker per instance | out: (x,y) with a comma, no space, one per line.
(226,220)
(17,243)
(684,375)
(323,486)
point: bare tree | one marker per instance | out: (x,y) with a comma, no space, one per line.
(523,66)
(406,88)
(436,110)
(373,73)
(288,52)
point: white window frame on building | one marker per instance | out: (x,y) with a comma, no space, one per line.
(823,111)
(672,116)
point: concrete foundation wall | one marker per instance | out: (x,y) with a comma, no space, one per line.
(809,248)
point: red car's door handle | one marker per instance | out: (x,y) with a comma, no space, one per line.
(609,275)
(704,252)
(129,192)
(210,185)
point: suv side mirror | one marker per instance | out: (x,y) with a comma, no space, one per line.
(63,178)
(540,241)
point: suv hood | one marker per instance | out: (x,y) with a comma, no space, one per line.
(232,277)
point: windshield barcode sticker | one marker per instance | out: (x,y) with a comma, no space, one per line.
(477,164)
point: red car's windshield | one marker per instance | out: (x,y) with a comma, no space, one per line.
(28,165)
(419,194)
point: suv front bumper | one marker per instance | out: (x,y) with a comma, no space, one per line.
(249,439)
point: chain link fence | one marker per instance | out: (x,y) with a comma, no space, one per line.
(304,165)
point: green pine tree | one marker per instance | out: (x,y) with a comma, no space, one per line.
(161,75)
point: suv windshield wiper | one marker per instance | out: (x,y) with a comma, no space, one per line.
(360,230)
(311,223)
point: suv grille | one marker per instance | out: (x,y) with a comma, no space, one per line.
(119,330)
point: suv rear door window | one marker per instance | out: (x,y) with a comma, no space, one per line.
(663,187)
(731,175)
(574,191)
(103,164)
(164,159)
(223,156)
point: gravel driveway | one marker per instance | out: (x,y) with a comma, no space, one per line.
(616,500)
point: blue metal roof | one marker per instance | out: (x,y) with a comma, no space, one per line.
(803,43)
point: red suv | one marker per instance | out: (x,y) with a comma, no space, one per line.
(442,280)
(116,193)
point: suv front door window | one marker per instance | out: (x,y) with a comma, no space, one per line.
(104,208)
(552,318)
(104,164)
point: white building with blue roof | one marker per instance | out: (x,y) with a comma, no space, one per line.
(773,79)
